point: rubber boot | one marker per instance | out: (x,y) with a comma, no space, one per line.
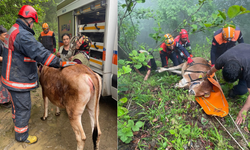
(31,139)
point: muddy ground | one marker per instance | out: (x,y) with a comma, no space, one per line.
(56,133)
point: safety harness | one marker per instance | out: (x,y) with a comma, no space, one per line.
(193,80)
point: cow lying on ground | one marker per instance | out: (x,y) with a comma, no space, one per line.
(194,77)
(74,88)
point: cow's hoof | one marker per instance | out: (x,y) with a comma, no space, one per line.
(43,119)
(58,114)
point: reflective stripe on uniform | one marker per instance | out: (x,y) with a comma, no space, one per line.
(27,59)
(8,64)
(21,130)
(19,85)
(50,58)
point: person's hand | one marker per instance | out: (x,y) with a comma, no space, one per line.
(241,116)
(71,58)
(212,65)
(146,78)
(190,60)
(209,73)
(54,50)
(58,54)
(67,63)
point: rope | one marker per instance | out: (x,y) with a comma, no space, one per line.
(212,105)
(233,122)
(228,132)
(238,129)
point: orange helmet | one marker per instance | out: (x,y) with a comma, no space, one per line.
(228,32)
(45,26)
(169,39)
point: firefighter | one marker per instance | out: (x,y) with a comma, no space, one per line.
(47,38)
(224,39)
(20,56)
(171,49)
(182,39)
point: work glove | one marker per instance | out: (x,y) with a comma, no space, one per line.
(64,64)
(54,50)
(190,60)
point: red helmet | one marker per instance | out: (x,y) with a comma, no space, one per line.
(183,33)
(28,11)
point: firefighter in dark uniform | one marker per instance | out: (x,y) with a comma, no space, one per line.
(224,39)
(170,50)
(47,38)
(19,71)
(182,39)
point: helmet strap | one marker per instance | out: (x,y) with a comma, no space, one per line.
(28,22)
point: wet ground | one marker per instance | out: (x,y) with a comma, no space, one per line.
(56,133)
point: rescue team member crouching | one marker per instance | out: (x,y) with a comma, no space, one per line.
(150,63)
(224,39)
(170,50)
(47,38)
(235,64)
(20,56)
(182,39)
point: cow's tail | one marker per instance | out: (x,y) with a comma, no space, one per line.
(97,131)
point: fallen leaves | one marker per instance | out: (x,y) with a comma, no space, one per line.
(246,129)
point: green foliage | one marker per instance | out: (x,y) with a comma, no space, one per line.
(46,10)
(126,130)
(218,139)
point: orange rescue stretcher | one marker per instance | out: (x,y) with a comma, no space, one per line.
(216,104)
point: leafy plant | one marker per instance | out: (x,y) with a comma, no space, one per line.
(126,130)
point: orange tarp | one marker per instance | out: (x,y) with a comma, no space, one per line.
(216,104)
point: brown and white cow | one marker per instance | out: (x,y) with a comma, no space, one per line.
(74,88)
(194,77)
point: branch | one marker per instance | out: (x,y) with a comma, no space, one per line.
(182,23)
(124,16)
(189,17)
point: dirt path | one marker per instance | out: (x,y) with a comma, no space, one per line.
(56,133)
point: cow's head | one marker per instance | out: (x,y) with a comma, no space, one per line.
(201,88)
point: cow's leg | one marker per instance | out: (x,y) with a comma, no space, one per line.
(45,115)
(161,69)
(75,114)
(57,111)
(93,109)
(176,71)
(182,83)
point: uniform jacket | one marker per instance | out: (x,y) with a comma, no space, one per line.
(185,45)
(219,45)
(20,56)
(177,48)
(48,40)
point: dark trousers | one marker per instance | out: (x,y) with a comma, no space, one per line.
(21,113)
(165,56)
(241,88)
